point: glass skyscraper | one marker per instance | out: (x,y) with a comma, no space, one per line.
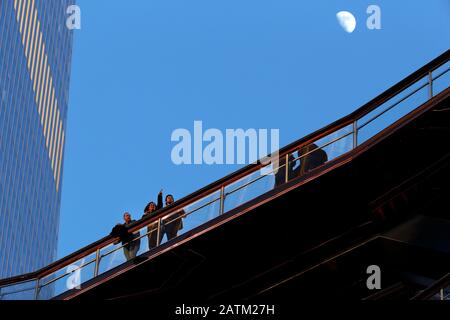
(35,63)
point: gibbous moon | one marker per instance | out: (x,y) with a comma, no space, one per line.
(347,21)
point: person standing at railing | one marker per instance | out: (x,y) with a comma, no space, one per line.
(152,229)
(130,241)
(174,223)
(293,170)
(311,157)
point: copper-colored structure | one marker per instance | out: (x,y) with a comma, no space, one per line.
(373,199)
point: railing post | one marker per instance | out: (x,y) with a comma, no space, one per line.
(36,290)
(430,84)
(222,200)
(442,294)
(97,262)
(286,168)
(158,232)
(355,134)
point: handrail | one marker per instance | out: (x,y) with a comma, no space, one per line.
(440,284)
(233,177)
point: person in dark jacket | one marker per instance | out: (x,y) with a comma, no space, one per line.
(173,223)
(152,229)
(130,241)
(293,170)
(314,157)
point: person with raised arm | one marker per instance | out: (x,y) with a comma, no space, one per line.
(152,229)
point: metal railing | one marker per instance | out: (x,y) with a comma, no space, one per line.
(295,160)
(440,290)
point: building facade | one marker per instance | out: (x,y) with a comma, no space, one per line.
(35,64)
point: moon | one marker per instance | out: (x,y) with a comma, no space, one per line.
(347,21)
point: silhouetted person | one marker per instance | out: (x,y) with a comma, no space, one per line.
(153,228)
(315,157)
(293,170)
(174,223)
(131,246)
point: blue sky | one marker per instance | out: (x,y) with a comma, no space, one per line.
(142,69)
